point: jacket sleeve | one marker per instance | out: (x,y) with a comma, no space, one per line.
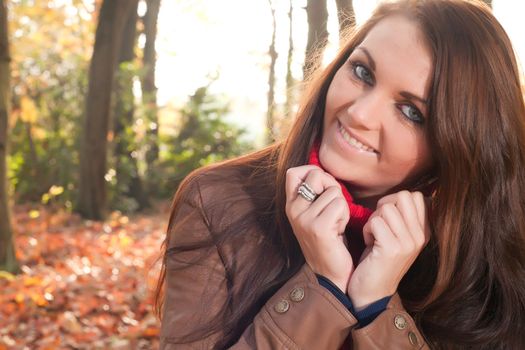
(300,315)
(392,329)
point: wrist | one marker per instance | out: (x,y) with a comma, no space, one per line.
(331,285)
(342,285)
(360,305)
(362,302)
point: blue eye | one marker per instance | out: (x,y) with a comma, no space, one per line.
(412,113)
(363,73)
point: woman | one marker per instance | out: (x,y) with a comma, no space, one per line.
(391,217)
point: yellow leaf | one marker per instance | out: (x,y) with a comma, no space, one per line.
(28,111)
(56,190)
(125,241)
(8,276)
(33,214)
(19,298)
(32,281)
(38,133)
(39,299)
(45,198)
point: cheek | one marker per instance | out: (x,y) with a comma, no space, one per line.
(408,148)
(339,92)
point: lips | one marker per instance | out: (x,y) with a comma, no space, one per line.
(352,141)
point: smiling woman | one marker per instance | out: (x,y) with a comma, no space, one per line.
(392,215)
(374,134)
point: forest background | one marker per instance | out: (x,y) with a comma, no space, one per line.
(105,106)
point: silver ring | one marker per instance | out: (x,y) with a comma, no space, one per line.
(307,192)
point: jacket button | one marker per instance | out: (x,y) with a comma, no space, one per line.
(400,322)
(412,337)
(297,294)
(282,306)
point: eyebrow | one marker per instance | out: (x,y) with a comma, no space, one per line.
(371,61)
(411,96)
(405,94)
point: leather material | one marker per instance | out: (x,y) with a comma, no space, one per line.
(197,282)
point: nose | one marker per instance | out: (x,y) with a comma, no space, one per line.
(366,111)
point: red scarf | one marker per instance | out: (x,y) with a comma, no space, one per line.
(358,214)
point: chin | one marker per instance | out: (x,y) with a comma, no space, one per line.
(331,160)
(332,164)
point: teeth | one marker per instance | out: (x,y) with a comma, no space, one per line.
(353,141)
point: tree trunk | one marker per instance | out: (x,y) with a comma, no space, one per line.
(346,16)
(129,182)
(7,252)
(92,201)
(149,90)
(317,15)
(289,77)
(270,114)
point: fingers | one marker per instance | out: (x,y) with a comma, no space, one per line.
(329,212)
(318,180)
(406,213)
(331,193)
(397,223)
(336,211)
(294,178)
(333,218)
(315,177)
(422,204)
(417,198)
(377,230)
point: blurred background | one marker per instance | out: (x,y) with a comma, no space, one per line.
(105,106)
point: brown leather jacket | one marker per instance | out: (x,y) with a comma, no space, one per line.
(301,315)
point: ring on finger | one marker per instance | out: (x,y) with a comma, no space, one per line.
(307,192)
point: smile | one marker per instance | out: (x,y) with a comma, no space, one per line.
(352,141)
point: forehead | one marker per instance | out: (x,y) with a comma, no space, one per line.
(399,50)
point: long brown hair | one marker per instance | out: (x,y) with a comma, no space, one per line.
(467,288)
(477,134)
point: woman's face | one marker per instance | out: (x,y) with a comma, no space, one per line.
(374,122)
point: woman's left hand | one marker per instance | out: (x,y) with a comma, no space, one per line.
(394,236)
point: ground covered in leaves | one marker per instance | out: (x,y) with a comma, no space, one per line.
(84,284)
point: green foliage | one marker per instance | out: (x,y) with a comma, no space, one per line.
(203,138)
(44,148)
(51,50)
(51,44)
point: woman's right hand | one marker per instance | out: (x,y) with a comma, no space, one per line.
(319,225)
